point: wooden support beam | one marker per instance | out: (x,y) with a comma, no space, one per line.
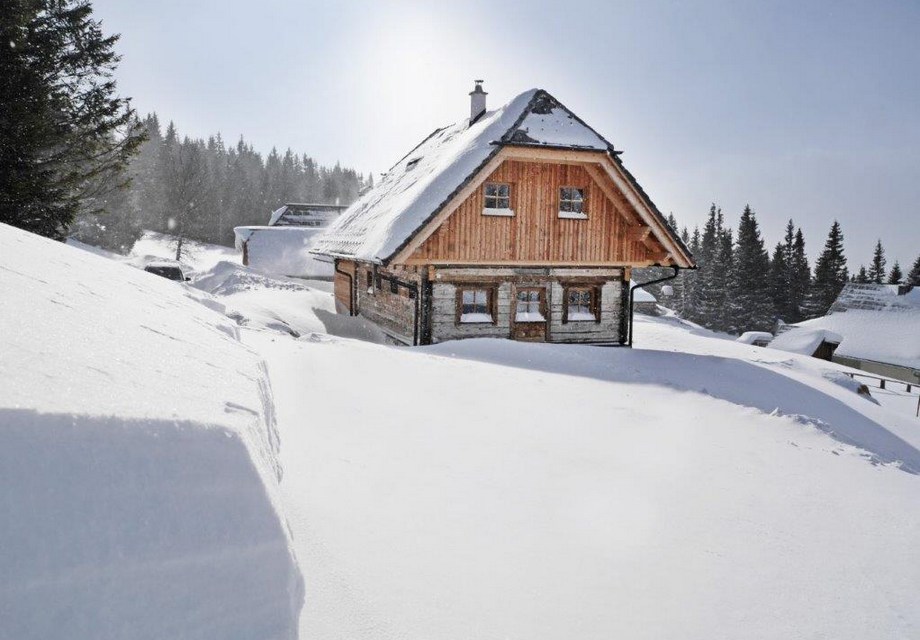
(639,234)
(619,202)
(647,215)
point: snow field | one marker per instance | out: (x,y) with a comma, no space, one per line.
(508,499)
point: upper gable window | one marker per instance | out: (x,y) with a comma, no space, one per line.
(572,203)
(497,199)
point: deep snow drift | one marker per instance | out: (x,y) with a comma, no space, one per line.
(544,491)
(694,487)
(138,459)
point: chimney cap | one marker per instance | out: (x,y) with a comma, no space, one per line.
(478,88)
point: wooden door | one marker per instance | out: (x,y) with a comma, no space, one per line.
(529,316)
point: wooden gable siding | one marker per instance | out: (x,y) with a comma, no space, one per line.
(536,234)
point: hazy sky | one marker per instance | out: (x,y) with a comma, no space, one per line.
(808,110)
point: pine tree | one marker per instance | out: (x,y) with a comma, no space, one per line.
(707,297)
(724,283)
(754,308)
(799,278)
(779,282)
(830,273)
(65,136)
(913,276)
(672,222)
(689,299)
(862,277)
(896,275)
(877,266)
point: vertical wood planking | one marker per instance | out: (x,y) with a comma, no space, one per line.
(535,233)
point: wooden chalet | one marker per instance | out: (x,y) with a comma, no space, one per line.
(517,223)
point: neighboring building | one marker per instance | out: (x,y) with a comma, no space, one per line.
(517,223)
(809,341)
(305,215)
(281,247)
(644,302)
(876,328)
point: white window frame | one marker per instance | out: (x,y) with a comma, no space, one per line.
(567,206)
(496,210)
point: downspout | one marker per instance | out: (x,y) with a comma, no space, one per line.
(632,294)
(351,288)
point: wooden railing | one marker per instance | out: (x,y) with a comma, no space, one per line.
(885,383)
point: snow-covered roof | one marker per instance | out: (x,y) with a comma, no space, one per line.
(306,215)
(379,224)
(641,295)
(877,297)
(804,340)
(750,337)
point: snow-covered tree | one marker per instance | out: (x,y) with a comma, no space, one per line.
(65,135)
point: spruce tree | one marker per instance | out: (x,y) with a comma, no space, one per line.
(689,300)
(65,135)
(830,273)
(723,283)
(707,304)
(877,266)
(913,276)
(862,277)
(754,309)
(779,282)
(896,274)
(799,278)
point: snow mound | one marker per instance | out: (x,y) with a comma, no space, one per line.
(138,459)
(197,256)
(752,337)
(292,306)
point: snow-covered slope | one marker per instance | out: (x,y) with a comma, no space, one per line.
(138,459)
(692,488)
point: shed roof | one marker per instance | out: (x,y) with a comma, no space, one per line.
(385,218)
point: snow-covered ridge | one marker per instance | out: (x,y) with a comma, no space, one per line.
(138,458)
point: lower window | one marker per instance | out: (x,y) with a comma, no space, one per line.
(475,305)
(529,306)
(582,304)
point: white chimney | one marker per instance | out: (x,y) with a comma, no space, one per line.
(477,101)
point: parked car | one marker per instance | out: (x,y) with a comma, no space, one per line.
(168,270)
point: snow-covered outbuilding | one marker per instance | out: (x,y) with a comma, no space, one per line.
(518,223)
(876,326)
(281,247)
(645,302)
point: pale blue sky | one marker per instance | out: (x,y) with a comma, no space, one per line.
(809,110)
